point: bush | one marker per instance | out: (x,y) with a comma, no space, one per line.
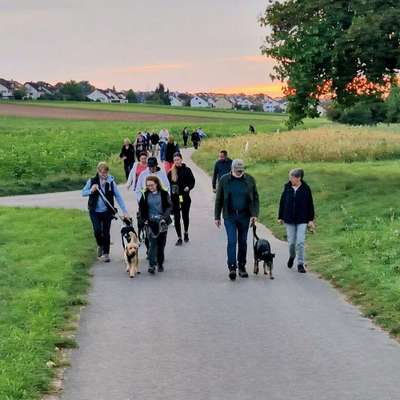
(393,105)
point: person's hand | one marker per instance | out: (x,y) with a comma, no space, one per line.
(126,216)
(214,190)
(186,189)
(311,226)
(218,223)
(94,188)
(253,221)
(280,221)
(124,157)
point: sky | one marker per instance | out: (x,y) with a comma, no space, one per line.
(189,45)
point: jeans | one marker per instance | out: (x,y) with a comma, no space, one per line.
(156,249)
(296,235)
(179,208)
(237,228)
(101,228)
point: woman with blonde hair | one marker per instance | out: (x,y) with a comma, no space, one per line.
(182,182)
(127,154)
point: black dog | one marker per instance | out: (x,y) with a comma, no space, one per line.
(127,227)
(262,252)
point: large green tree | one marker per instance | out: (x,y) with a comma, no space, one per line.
(328,45)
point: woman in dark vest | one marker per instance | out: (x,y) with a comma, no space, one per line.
(155,209)
(101,213)
(182,182)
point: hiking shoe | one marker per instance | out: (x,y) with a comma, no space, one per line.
(243,273)
(160,268)
(186,237)
(106,258)
(179,242)
(232,274)
(301,269)
(290,262)
(99,251)
(151,270)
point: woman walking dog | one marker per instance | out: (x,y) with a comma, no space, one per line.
(296,211)
(101,191)
(182,182)
(155,209)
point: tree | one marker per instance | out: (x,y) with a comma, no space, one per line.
(345,48)
(19,93)
(72,90)
(160,96)
(131,96)
(393,105)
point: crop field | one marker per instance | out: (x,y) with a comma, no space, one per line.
(354,174)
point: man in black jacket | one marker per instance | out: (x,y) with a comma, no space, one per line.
(221,168)
(237,197)
(296,211)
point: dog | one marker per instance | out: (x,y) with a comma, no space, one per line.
(262,252)
(130,244)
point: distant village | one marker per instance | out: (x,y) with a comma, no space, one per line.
(10,90)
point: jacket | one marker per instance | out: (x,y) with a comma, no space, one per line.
(185,179)
(221,168)
(170,150)
(296,207)
(129,153)
(165,204)
(223,200)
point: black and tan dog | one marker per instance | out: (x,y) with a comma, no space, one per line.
(262,252)
(130,244)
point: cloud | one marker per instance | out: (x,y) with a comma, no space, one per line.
(150,68)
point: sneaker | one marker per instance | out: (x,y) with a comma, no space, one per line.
(232,272)
(99,251)
(179,242)
(186,237)
(290,262)
(301,269)
(151,270)
(160,268)
(243,273)
(106,258)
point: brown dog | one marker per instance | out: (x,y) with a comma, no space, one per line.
(131,255)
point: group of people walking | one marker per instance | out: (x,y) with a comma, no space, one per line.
(164,191)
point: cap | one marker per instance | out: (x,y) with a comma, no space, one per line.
(238,165)
(152,162)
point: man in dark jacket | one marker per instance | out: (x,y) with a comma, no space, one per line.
(296,211)
(237,197)
(221,168)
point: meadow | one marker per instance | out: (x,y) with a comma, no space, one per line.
(42,281)
(354,175)
(44,155)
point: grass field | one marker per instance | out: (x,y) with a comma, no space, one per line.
(358,222)
(42,155)
(44,259)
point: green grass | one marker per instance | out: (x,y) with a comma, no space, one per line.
(358,226)
(44,259)
(44,155)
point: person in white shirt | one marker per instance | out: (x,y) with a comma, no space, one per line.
(164,136)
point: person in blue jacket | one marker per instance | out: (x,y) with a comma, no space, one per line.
(102,211)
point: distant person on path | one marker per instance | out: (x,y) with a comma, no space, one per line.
(154,140)
(155,208)
(170,149)
(127,154)
(182,182)
(152,170)
(101,213)
(195,139)
(296,211)
(136,170)
(140,144)
(252,129)
(222,167)
(185,136)
(164,135)
(237,198)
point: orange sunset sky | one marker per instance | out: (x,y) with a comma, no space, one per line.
(188,45)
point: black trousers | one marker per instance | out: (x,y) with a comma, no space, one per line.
(101,228)
(156,249)
(181,209)
(127,167)
(185,140)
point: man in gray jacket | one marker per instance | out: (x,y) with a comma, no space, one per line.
(237,199)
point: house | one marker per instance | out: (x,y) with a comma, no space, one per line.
(34,90)
(6,89)
(175,101)
(223,103)
(99,96)
(271,105)
(244,103)
(211,102)
(197,101)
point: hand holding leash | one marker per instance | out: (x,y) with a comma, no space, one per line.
(94,188)
(218,223)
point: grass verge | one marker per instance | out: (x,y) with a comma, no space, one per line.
(44,259)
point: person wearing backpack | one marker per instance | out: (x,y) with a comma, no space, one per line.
(101,190)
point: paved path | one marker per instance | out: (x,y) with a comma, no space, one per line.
(190,334)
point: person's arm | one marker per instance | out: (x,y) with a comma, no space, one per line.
(132,177)
(139,186)
(191,180)
(121,154)
(256,200)
(86,190)
(219,202)
(168,211)
(311,212)
(215,176)
(281,206)
(165,181)
(119,198)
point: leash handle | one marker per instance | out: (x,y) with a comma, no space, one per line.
(113,209)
